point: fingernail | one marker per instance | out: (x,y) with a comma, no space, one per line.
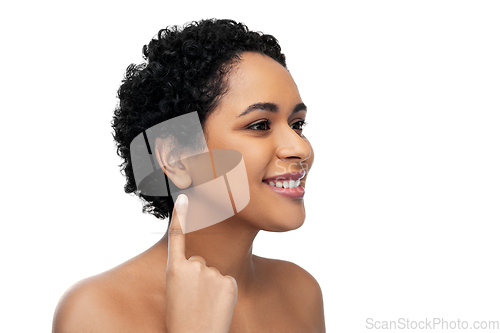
(181,200)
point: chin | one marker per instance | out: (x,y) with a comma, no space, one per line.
(284,222)
(269,211)
(287,227)
(294,218)
(272,221)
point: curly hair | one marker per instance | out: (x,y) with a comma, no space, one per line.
(185,70)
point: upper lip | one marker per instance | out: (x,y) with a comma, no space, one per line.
(286,176)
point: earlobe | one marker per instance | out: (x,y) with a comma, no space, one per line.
(172,165)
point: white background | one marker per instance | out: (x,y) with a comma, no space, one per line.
(404,115)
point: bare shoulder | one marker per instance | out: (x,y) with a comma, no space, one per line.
(91,305)
(294,275)
(299,287)
(126,298)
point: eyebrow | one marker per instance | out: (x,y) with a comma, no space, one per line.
(271,107)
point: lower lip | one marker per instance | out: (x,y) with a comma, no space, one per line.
(294,193)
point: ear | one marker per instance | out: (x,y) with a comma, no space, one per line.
(171,164)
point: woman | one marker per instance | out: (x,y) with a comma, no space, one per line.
(208,280)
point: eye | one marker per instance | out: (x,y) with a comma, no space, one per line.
(260,126)
(299,125)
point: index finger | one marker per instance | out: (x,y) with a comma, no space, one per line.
(176,239)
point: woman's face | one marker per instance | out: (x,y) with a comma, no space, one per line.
(261,116)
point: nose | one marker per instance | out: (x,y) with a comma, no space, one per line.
(292,146)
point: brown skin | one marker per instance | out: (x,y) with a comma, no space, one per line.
(272,295)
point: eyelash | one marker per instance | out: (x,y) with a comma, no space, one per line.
(266,122)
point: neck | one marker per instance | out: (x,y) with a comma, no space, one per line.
(226,246)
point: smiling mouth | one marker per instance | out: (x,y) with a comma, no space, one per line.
(289,192)
(290,183)
(287,180)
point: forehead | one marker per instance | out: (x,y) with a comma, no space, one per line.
(258,78)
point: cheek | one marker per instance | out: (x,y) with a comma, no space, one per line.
(257,161)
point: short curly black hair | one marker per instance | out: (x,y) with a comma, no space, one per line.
(184,71)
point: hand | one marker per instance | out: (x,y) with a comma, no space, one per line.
(199,298)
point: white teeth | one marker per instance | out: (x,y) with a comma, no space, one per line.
(286,184)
